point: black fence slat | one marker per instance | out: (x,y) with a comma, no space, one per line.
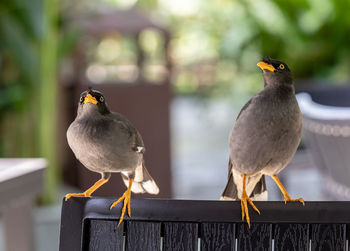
(347,230)
(72,218)
(217,237)
(179,236)
(257,237)
(143,236)
(105,235)
(292,237)
(328,237)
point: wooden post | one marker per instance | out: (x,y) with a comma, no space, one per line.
(20,181)
(18,227)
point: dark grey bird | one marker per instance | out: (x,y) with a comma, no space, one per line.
(264,138)
(106,142)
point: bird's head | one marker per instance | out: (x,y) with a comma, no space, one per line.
(92,101)
(275,72)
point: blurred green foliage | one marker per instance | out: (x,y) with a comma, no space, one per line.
(28,49)
(216,44)
(214,48)
(20,31)
(312,36)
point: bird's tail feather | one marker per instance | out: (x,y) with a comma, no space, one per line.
(231,191)
(143,181)
(260,190)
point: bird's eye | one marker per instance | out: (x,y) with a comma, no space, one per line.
(81,99)
(102,99)
(281,66)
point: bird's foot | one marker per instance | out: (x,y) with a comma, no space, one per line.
(126,197)
(287,198)
(70,195)
(284,192)
(88,192)
(244,205)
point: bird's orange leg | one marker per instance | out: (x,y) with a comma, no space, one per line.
(126,197)
(244,204)
(285,194)
(88,192)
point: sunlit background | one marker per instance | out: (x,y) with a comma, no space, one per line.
(180,71)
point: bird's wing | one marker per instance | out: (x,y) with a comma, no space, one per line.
(251,136)
(134,137)
(263,133)
(244,107)
(138,143)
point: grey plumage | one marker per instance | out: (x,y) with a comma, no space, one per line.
(106,142)
(266,134)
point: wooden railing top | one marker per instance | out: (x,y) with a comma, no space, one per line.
(214,211)
(77,211)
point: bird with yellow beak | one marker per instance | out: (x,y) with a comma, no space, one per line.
(264,138)
(106,142)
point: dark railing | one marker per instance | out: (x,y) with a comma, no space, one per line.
(88,224)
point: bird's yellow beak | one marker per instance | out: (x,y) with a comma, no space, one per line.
(265,66)
(90,99)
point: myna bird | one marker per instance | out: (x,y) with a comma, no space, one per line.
(264,138)
(106,142)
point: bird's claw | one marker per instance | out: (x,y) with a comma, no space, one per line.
(126,197)
(284,192)
(88,192)
(244,205)
(287,198)
(70,195)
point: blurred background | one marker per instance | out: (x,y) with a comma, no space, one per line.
(180,71)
